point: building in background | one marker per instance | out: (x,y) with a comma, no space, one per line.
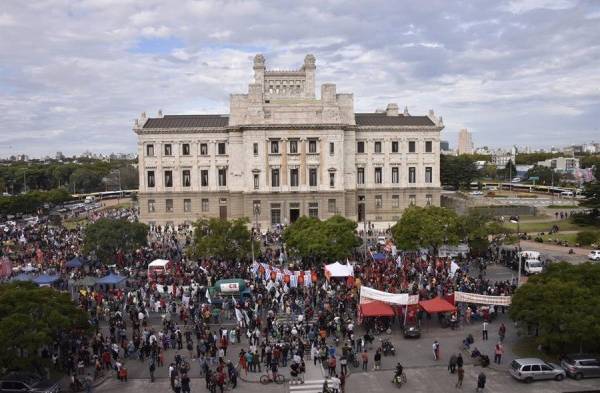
(281,153)
(465,142)
(561,164)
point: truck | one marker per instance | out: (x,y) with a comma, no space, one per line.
(531,262)
(227,288)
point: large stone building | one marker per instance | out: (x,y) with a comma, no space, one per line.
(282,152)
(465,142)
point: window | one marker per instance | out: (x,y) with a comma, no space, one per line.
(222,177)
(186,178)
(428,146)
(545,367)
(331,206)
(378,201)
(151,206)
(204,177)
(168,149)
(395,201)
(274,147)
(360,175)
(312,177)
(256,181)
(294,177)
(331,179)
(221,148)
(412,200)
(428,199)
(168,178)
(294,147)
(203,149)
(378,177)
(150,150)
(313,209)
(151,181)
(312,146)
(275,213)
(274,177)
(412,146)
(526,368)
(395,147)
(185,149)
(256,208)
(255,148)
(412,174)
(205,205)
(395,175)
(377,147)
(187,205)
(169,205)
(428,174)
(536,368)
(360,147)
(331,148)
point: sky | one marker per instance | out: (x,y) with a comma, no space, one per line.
(74,74)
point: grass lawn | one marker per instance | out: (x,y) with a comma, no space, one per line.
(544,226)
(526,347)
(74,223)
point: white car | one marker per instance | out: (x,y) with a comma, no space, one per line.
(476,193)
(594,255)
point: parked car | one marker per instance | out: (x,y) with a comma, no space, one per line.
(516,180)
(476,193)
(27,383)
(594,255)
(532,369)
(581,366)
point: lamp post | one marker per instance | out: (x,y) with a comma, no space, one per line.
(515,220)
(255,212)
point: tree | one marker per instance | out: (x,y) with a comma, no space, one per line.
(562,306)
(427,227)
(107,236)
(315,240)
(85,180)
(457,171)
(546,175)
(222,239)
(33,317)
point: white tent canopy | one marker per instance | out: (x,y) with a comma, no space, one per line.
(158,263)
(369,294)
(338,270)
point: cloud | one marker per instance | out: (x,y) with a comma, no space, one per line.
(77,78)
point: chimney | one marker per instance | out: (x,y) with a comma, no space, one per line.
(391,110)
(406,111)
(160,114)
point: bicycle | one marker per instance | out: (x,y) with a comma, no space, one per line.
(266,379)
(399,380)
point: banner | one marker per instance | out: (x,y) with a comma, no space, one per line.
(475,298)
(369,294)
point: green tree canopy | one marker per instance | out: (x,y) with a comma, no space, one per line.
(222,239)
(31,201)
(314,240)
(107,236)
(32,317)
(562,304)
(546,175)
(427,227)
(457,171)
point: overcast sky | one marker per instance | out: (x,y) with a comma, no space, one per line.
(75,74)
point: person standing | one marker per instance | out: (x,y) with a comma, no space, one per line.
(365,360)
(502,332)
(152,368)
(436,350)
(344,365)
(452,363)
(484,331)
(461,376)
(459,361)
(480,382)
(498,351)
(185,384)
(377,359)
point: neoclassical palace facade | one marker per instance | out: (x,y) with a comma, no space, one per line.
(281,153)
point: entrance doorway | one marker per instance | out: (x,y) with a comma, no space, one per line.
(294,214)
(361,212)
(223,212)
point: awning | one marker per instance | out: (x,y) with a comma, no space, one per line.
(22,277)
(436,305)
(111,279)
(45,279)
(378,256)
(74,263)
(376,309)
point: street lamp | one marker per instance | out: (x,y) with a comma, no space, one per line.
(515,220)
(256,213)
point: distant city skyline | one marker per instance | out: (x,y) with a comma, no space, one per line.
(511,72)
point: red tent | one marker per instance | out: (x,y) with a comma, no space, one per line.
(436,305)
(376,309)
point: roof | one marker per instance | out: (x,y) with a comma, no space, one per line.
(381,119)
(188,121)
(158,262)
(436,305)
(376,309)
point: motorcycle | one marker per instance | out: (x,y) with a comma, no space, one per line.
(399,380)
(388,348)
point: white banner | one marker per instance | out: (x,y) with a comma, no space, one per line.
(369,294)
(230,287)
(481,299)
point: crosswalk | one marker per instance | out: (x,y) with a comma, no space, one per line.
(309,386)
